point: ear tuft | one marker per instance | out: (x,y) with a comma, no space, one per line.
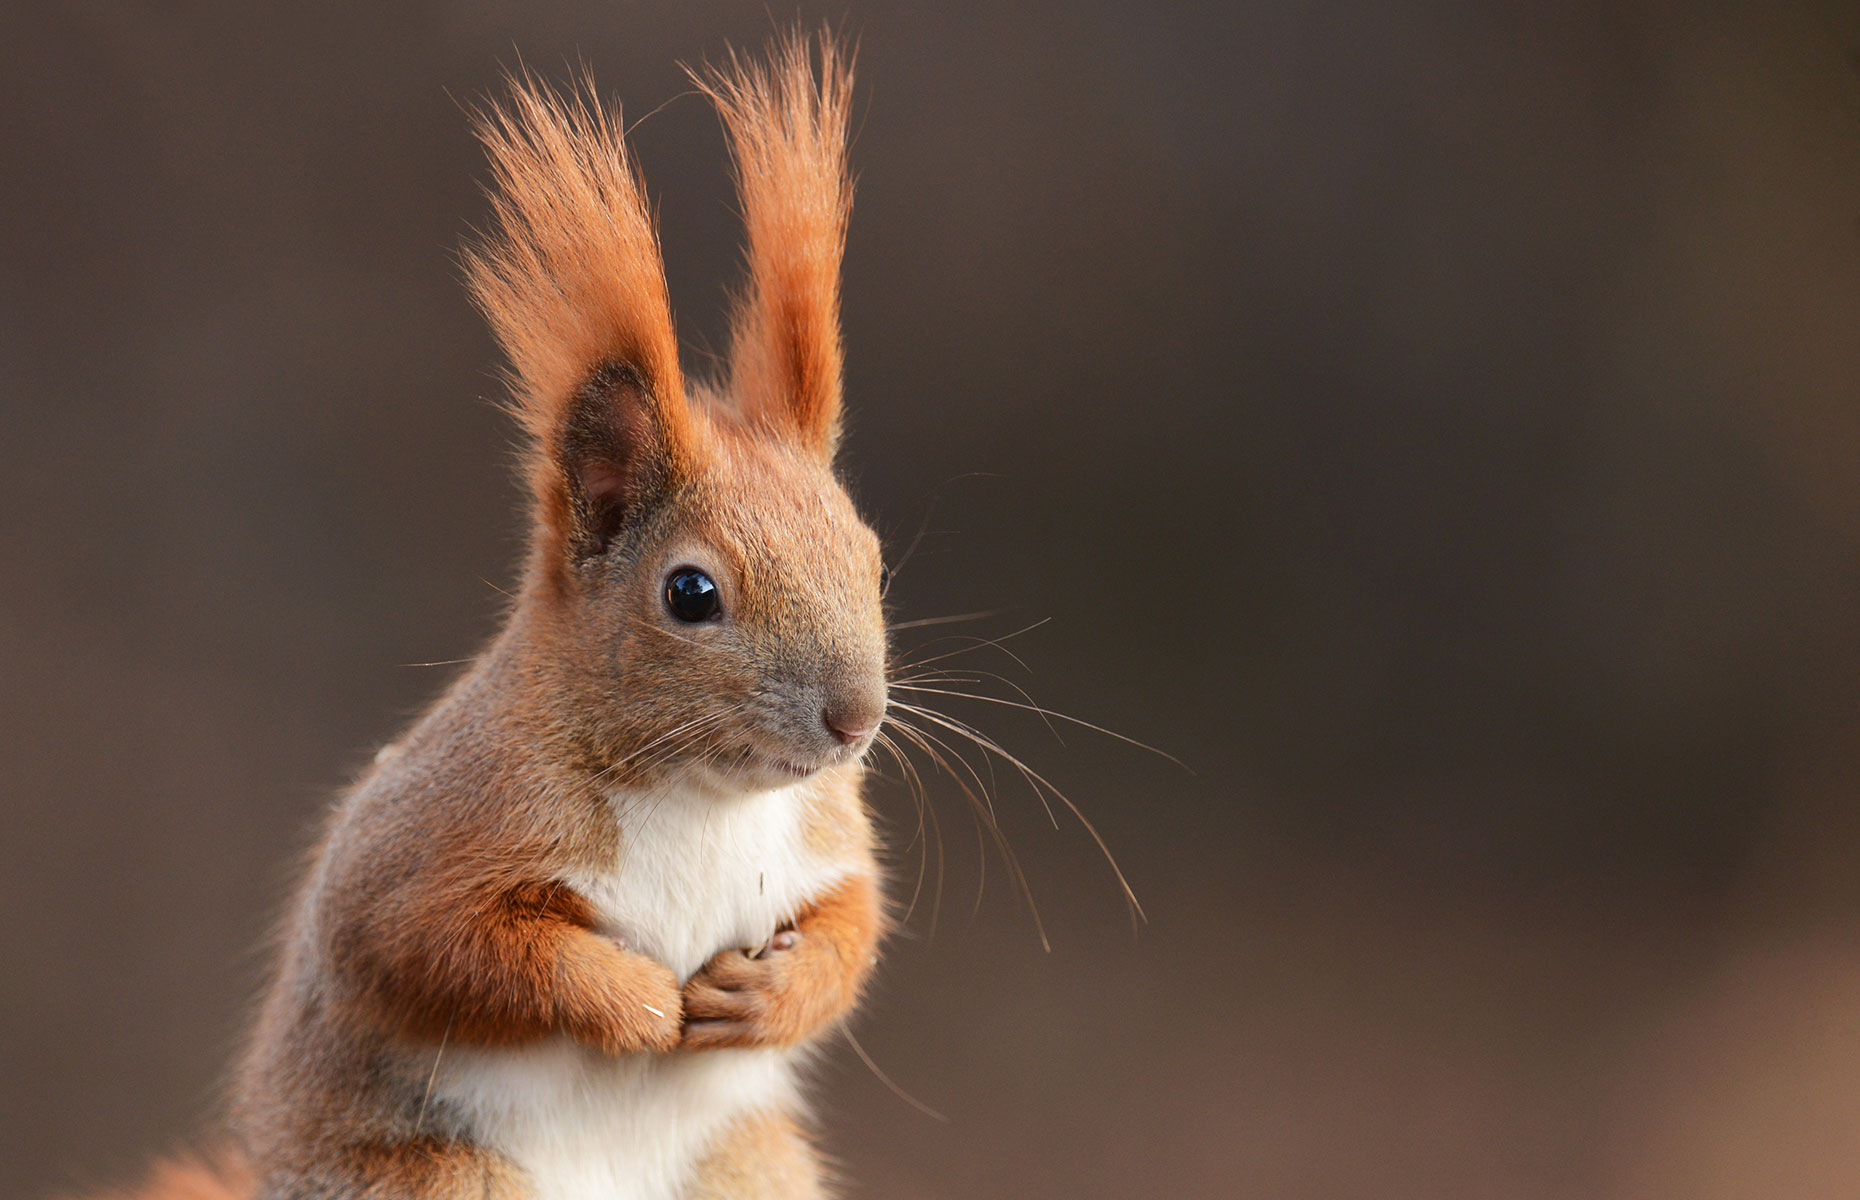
(787,131)
(573,286)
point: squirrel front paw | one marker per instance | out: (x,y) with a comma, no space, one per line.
(635,1007)
(662,1011)
(747,997)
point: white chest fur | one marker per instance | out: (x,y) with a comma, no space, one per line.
(699,874)
(695,874)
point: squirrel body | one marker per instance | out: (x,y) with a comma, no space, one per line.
(575,933)
(677,874)
(747,863)
(692,882)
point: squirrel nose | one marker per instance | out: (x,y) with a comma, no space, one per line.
(851,722)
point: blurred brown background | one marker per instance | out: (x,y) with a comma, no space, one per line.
(1436,423)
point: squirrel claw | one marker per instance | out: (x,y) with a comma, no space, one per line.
(783,939)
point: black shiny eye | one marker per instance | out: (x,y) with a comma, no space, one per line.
(884,580)
(692,596)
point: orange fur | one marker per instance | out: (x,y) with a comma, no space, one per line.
(496,964)
(787,130)
(439,913)
(572,280)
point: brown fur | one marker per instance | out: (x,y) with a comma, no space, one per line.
(435,911)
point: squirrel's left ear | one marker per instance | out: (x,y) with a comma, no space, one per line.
(787,131)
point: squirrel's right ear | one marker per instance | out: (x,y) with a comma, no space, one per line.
(615,455)
(572,283)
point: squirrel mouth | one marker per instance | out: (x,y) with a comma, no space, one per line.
(751,756)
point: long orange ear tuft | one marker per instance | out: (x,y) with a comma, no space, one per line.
(787,130)
(572,283)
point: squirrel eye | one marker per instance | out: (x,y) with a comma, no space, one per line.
(691,595)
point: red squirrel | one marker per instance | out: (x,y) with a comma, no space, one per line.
(573,934)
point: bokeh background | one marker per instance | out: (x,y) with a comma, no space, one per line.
(1435,423)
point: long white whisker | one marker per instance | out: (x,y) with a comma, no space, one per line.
(615,766)
(433,1076)
(949,620)
(1049,713)
(982,809)
(885,1079)
(1037,780)
(976,644)
(930,714)
(914,785)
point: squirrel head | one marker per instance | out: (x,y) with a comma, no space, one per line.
(707,596)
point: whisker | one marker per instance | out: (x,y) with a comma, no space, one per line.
(984,792)
(981,870)
(689,729)
(914,786)
(668,735)
(928,809)
(689,641)
(631,834)
(1037,781)
(951,620)
(983,810)
(936,825)
(950,677)
(433,1075)
(885,1079)
(923,527)
(973,736)
(1049,713)
(976,644)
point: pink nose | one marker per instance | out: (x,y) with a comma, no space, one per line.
(849,727)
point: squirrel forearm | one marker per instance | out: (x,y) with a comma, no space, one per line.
(514,965)
(845,924)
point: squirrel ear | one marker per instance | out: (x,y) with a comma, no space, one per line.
(572,282)
(618,451)
(787,131)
